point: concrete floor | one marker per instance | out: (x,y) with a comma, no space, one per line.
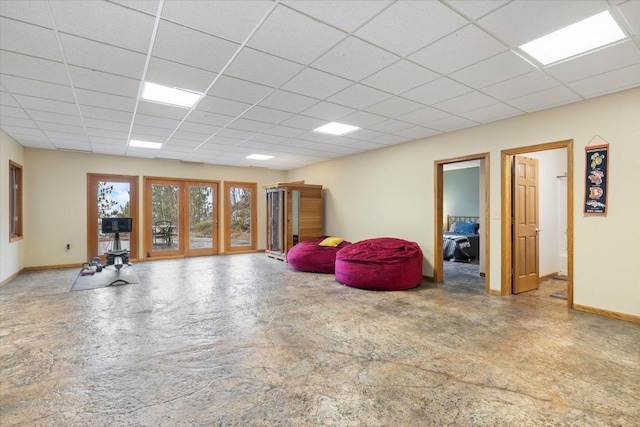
(244,340)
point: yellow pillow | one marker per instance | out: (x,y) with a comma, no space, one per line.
(331,241)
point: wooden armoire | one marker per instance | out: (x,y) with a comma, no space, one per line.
(294,214)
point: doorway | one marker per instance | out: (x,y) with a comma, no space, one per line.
(111,196)
(507,243)
(181,217)
(439,221)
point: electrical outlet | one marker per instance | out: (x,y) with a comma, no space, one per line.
(68,247)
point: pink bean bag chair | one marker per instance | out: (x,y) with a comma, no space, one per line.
(311,256)
(382,264)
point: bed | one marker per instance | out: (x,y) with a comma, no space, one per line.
(461,241)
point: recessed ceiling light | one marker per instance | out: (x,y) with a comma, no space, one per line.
(144,144)
(259,157)
(583,36)
(335,128)
(169,95)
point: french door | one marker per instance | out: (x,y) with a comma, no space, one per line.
(181,217)
(111,196)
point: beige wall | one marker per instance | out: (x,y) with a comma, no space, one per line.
(11,254)
(56,197)
(390,192)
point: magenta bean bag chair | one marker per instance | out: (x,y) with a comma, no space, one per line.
(310,256)
(382,264)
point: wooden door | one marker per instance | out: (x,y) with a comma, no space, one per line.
(525,225)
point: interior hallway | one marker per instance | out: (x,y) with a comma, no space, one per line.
(244,340)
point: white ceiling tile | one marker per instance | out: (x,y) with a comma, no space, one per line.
(27,123)
(304,122)
(285,131)
(15,64)
(207,118)
(102,57)
(262,68)
(47,116)
(150,130)
(521,85)
(85,78)
(291,35)
(390,126)
(232,20)
(624,78)
(267,115)
(41,104)
(520,22)
(29,39)
(417,132)
(367,146)
(361,119)
(358,96)
(57,127)
(412,76)
(108,149)
(224,106)
(390,139)
(238,134)
(200,128)
(105,100)
(313,137)
(106,124)
(18,85)
(491,113)
(493,70)
(65,136)
(239,90)
(19,131)
(183,145)
(162,122)
(436,91)
(173,74)
(65,144)
(612,58)
(109,134)
(631,12)
(287,101)
(468,101)
(544,99)
(188,136)
(450,123)
(249,125)
(423,115)
(105,114)
(34,12)
(112,142)
(104,22)
(458,50)
(394,107)
(172,41)
(6,99)
(316,84)
(354,59)
(8,111)
(223,141)
(476,9)
(422,23)
(346,15)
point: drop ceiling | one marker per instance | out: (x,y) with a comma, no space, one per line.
(71,72)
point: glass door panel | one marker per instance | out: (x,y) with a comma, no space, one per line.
(165,217)
(240,216)
(113,202)
(201,218)
(275,200)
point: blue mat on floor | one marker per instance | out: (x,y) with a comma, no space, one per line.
(107,277)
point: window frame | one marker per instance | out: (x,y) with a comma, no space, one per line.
(16,212)
(228,185)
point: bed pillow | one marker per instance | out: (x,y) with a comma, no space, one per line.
(453,226)
(466,228)
(331,241)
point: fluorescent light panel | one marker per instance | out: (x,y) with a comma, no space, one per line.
(144,144)
(259,157)
(169,95)
(335,128)
(591,33)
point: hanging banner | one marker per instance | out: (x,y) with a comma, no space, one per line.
(596,179)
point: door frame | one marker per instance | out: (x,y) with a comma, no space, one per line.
(506,200)
(183,225)
(92,210)
(438,263)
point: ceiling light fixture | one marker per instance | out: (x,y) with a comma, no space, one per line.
(169,95)
(145,144)
(259,157)
(335,128)
(588,34)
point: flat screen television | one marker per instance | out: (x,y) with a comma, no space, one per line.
(117,225)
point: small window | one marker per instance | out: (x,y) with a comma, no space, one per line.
(15,201)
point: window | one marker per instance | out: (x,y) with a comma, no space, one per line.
(15,201)
(240,214)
